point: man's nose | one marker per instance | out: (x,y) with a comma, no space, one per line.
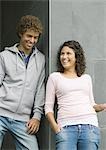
(32,39)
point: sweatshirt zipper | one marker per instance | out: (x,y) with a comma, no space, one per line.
(24,82)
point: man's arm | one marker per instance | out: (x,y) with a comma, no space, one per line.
(34,123)
(40,95)
(2,69)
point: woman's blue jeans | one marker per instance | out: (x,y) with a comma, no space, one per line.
(18,129)
(78,137)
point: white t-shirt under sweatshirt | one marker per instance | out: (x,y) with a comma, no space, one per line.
(74,98)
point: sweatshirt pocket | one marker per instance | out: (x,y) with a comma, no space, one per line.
(2,93)
(27,102)
(11,99)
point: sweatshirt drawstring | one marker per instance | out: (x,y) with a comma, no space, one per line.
(16,62)
(36,62)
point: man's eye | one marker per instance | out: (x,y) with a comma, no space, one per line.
(36,38)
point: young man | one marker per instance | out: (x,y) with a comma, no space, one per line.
(22,73)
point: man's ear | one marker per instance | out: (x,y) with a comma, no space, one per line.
(20,35)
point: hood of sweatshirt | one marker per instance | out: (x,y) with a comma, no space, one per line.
(14,49)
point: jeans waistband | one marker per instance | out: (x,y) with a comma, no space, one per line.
(80,126)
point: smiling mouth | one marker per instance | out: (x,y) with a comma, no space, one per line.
(30,45)
(66,61)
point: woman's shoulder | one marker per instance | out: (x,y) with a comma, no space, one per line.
(54,77)
(54,74)
(86,76)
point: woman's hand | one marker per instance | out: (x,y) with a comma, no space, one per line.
(103,106)
(100,107)
(57,128)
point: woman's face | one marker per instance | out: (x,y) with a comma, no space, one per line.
(67,58)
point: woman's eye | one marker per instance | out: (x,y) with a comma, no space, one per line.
(69,53)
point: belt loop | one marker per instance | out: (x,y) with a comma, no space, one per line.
(79,127)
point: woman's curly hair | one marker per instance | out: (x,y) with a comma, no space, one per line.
(29,22)
(79,55)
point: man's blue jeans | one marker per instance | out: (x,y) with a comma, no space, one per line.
(23,140)
(78,137)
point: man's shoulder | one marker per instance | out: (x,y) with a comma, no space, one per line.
(10,49)
(4,53)
(40,55)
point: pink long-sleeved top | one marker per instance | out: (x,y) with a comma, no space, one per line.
(74,98)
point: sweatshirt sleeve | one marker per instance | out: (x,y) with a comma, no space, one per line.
(2,69)
(91,92)
(50,95)
(40,95)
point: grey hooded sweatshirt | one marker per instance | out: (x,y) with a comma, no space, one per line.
(21,89)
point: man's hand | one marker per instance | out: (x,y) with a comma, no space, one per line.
(33,126)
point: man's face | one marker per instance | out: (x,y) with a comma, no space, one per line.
(28,39)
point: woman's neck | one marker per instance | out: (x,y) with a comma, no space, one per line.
(70,73)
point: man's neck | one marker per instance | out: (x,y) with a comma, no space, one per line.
(27,52)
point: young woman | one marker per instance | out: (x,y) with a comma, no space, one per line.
(76,127)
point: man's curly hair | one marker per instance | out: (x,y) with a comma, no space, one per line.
(29,22)
(79,55)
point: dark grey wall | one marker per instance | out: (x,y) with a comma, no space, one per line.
(0,24)
(10,12)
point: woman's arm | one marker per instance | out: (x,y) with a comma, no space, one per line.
(97,107)
(55,127)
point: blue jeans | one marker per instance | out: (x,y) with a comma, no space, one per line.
(18,129)
(78,137)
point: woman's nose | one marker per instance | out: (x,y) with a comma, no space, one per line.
(65,56)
